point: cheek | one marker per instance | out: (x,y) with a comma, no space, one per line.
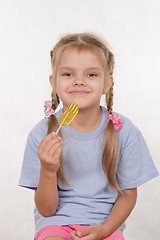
(61,87)
(58,84)
(100,88)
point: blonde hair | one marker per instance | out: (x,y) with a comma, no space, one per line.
(89,42)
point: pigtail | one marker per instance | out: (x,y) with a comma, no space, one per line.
(110,153)
(52,127)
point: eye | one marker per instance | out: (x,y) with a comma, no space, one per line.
(92,75)
(67,74)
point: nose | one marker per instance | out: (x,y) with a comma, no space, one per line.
(79,81)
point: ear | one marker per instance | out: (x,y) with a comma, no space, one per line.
(52,82)
(107,84)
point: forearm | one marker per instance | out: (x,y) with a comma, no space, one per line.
(120,211)
(46,195)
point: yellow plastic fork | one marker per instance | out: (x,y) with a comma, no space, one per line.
(68,116)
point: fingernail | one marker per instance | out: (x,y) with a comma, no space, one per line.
(53,133)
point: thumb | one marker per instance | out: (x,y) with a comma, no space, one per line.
(84,232)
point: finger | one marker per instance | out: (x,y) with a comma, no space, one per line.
(55,150)
(51,146)
(88,237)
(58,152)
(72,236)
(49,142)
(45,140)
(84,231)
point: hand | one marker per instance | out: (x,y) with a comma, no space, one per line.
(49,152)
(93,232)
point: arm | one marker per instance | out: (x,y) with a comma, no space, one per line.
(46,195)
(119,213)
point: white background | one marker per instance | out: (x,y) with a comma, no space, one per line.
(28,31)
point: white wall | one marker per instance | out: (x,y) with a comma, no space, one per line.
(29,29)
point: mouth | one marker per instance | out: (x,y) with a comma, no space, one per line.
(78,92)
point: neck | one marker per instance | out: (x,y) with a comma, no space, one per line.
(87,120)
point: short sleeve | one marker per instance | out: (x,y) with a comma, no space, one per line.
(31,164)
(135,165)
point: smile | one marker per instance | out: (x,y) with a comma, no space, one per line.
(78,92)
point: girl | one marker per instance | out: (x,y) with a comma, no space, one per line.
(86,178)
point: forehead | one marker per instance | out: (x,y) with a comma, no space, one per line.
(84,57)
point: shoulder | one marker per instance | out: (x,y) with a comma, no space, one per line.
(38,131)
(127,124)
(129,134)
(128,129)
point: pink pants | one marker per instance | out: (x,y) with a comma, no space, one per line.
(64,232)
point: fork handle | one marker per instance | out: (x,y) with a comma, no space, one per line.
(58,129)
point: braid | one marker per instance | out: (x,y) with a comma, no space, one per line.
(110,62)
(109,100)
(51,54)
(53,124)
(52,127)
(110,154)
(55,100)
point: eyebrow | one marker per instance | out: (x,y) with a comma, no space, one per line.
(70,68)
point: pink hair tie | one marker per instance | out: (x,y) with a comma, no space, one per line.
(48,108)
(116,120)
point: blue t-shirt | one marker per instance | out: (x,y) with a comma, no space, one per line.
(90,198)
